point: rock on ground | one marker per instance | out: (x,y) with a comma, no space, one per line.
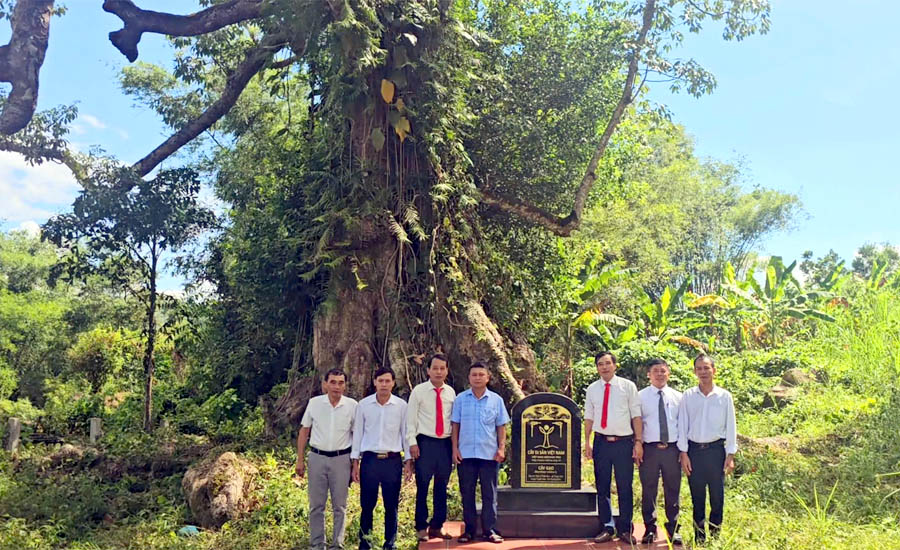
(219,490)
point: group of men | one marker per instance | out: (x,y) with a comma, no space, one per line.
(363,442)
(380,439)
(665,433)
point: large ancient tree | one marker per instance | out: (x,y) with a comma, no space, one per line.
(422,124)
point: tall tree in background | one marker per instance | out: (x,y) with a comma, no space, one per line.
(376,130)
(122,232)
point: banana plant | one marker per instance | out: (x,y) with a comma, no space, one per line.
(779,297)
(666,319)
(586,312)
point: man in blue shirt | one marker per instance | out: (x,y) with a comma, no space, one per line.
(479,446)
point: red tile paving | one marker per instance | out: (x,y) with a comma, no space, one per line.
(455,527)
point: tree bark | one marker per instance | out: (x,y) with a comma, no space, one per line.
(149,364)
(138,21)
(254,61)
(21,60)
(350,335)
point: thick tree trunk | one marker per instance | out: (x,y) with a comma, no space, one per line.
(350,333)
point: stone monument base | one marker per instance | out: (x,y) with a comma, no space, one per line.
(547,513)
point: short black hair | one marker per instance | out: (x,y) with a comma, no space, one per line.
(479,365)
(657,361)
(439,357)
(381,371)
(334,372)
(704,356)
(603,354)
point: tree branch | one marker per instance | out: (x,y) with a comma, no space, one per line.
(138,21)
(21,60)
(254,61)
(564,226)
(36,156)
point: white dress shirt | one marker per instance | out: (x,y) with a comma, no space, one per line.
(623,406)
(421,411)
(331,427)
(380,428)
(707,418)
(650,412)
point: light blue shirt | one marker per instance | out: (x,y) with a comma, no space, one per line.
(478,420)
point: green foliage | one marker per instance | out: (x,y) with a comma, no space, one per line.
(8,381)
(69,406)
(33,335)
(780,299)
(672,215)
(20,408)
(25,262)
(870,258)
(222,414)
(633,358)
(99,353)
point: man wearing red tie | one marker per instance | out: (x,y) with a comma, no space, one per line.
(428,435)
(612,417)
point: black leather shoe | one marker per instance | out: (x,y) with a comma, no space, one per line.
(628,538)
(604,536)
(676,540)
(649,537)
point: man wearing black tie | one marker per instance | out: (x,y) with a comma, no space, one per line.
(707,439)
(659,414)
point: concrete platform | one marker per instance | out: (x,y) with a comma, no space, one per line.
(455,527)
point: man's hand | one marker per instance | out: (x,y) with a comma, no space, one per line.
(354,471)
(300,467)
(638,453)
(414,451)
(500,455)
(729,464)
(686,464)
(408,470)
(457,456)
(588,451)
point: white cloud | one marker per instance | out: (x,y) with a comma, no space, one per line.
(33,193)
(30,227)
(93,121)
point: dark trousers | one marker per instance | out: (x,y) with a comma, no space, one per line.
(472,471)
(609,457)
(660,462)
(707,471)
(435,461)
(387,473)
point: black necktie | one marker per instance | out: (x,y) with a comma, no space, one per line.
(663,421)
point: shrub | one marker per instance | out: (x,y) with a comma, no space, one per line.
(69,406)
(632,360)
(99,353)
(634,355)
(9,380)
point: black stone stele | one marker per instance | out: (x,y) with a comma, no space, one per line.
(545,498)
(546,443)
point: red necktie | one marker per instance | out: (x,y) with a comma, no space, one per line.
(439,408)
(605,406)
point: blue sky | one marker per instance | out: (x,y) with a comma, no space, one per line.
(807,107)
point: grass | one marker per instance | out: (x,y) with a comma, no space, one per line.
(822,472)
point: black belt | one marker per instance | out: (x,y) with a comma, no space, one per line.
(660,444)
(330,453)
(613,438)
(716,443)
(382,456)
